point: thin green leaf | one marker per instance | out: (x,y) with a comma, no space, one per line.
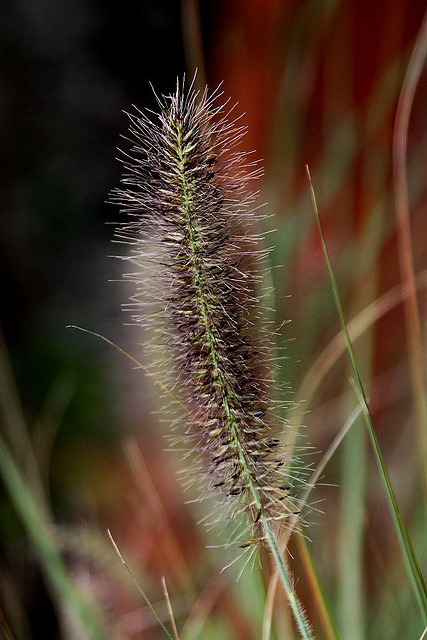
(140,589)
(411,561)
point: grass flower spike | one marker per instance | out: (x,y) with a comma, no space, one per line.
(194,236)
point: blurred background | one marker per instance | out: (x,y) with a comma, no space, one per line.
(319,83)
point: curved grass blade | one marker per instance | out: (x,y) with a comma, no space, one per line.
(404,238)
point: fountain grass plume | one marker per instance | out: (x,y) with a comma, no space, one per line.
(193,228)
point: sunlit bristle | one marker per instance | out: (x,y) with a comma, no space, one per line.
(196,242)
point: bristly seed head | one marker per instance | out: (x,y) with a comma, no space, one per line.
(186,190)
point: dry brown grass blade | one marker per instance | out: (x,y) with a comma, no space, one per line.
(337,346)
(170,610)
(269,606)
(145,484)
(413,329)
(284,541)
(202,608)
(328,624)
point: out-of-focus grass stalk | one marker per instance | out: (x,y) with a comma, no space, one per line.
(320,601)
(356,327)
(44,544)
(353,472)
(197,619)
(354,463)
(328,623)
(312,22)
(144,482)
(25,487)
(193,40)
(139,588)
(414,334)
(412,564)
(15,429)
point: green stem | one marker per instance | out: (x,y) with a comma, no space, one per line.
(297,610)
(296,607)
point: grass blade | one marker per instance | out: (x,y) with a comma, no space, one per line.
(411,561)
(50,558)
(329,625)
(404,237)
(140,589)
